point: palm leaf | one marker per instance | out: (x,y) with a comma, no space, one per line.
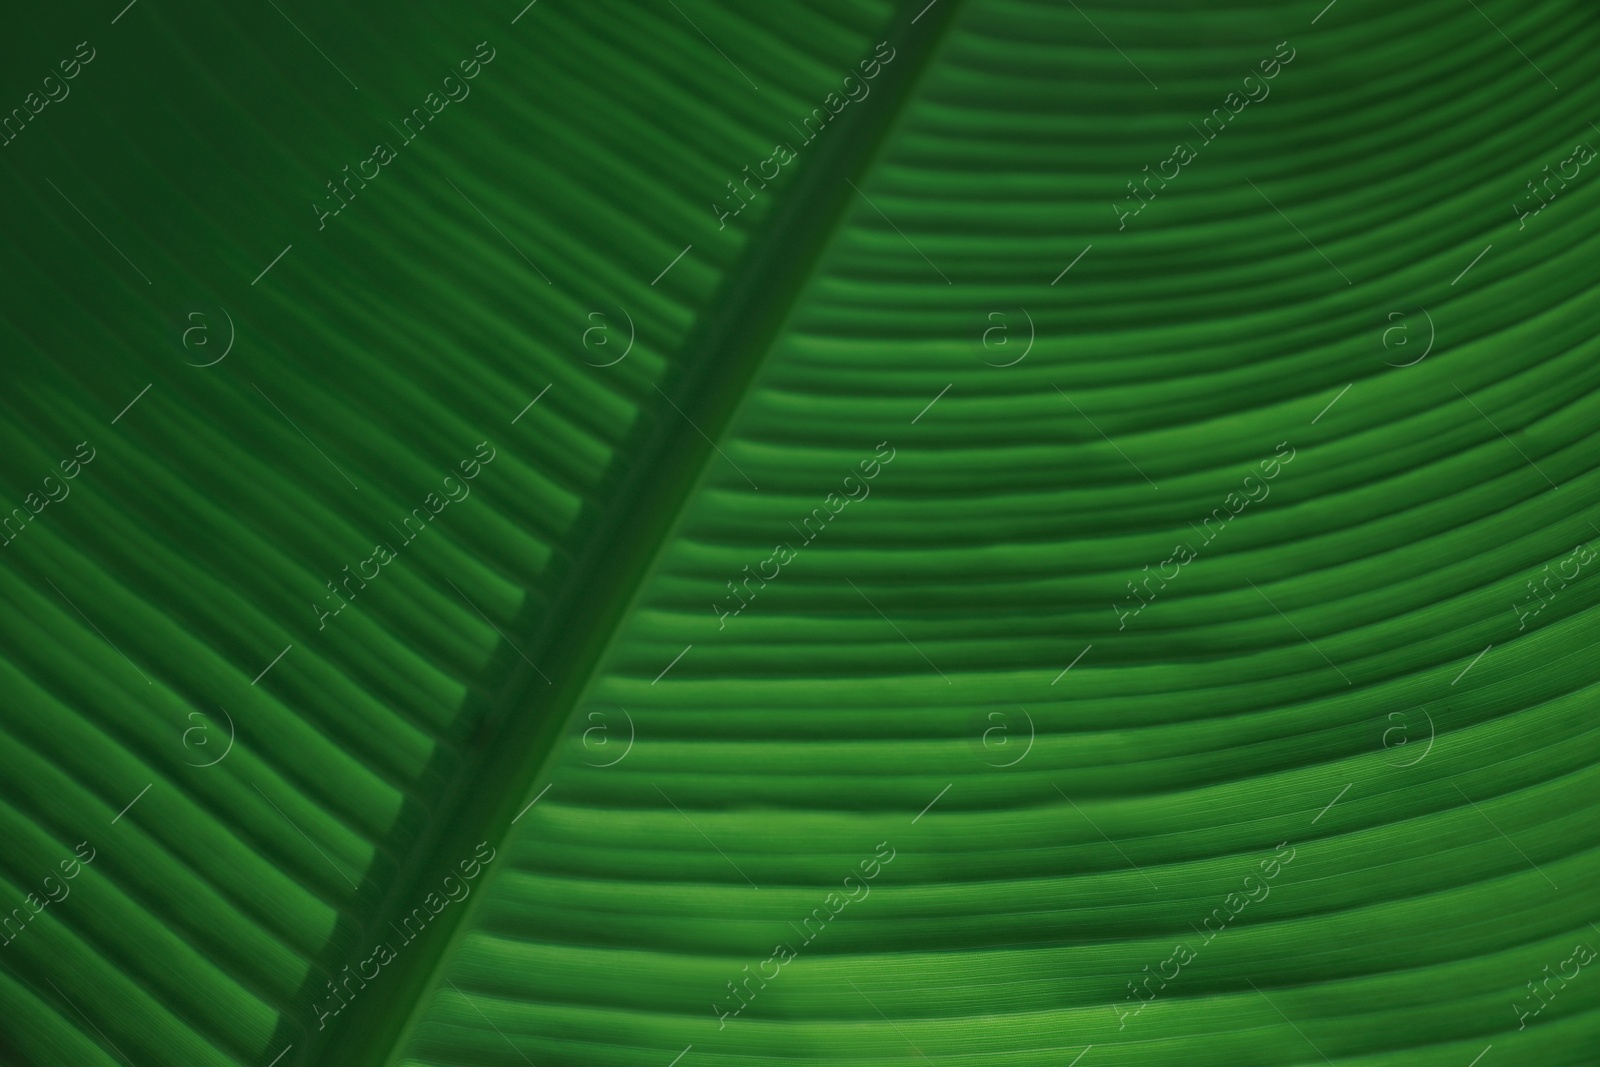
(588,664)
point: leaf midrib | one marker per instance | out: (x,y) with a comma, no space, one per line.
(659,467)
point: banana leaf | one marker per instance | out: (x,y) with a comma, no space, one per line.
(684,533)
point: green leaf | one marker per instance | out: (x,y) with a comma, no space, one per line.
(979,590)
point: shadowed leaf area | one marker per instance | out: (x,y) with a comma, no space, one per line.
(627,534)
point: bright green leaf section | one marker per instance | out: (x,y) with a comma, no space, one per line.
(914,643)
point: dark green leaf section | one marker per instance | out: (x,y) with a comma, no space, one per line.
(1325,756)
(369,360)
(663,461)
